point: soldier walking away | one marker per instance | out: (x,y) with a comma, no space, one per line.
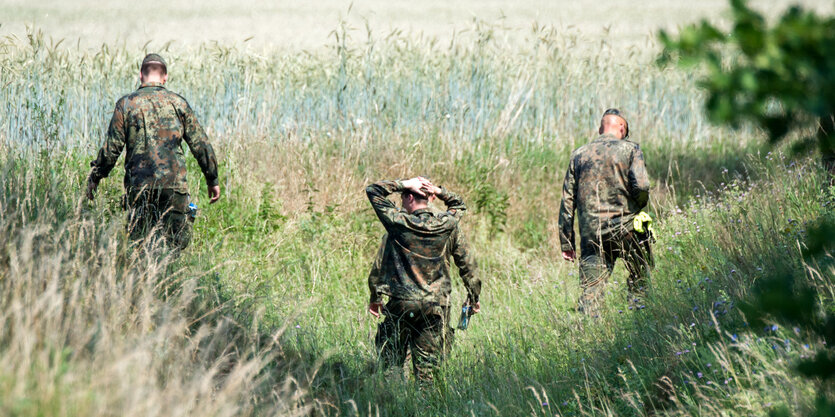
(606,184)
(413,271)
(151,124)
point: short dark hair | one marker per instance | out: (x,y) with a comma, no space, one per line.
(146,69)
(415,195)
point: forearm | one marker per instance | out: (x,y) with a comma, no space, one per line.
(473,285)
(379,191)
(453,201)
(205,155)
(466,263)
(566,227)
(103,164)
(198,143)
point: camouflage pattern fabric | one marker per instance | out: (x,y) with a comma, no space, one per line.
(161,215)
(414,259)
(597,263)
(152,123)
(607,185)
(416,328)
(412,268)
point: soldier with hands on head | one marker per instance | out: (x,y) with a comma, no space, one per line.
(607,186)
(412,269)
(150,124)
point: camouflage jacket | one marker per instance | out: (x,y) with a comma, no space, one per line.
(413,261)
(151,123)
(607,184)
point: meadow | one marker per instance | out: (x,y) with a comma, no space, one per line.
(265,314)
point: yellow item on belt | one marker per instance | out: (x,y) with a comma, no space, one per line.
(640,221)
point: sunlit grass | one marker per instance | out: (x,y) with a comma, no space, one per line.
(265,312)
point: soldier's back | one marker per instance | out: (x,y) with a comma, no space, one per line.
(601,170)
(154,131)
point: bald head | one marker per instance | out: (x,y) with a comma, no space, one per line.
(614,125)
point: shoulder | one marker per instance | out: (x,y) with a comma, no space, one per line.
(126,101)
(178,100)
(631,145)
(447,219)
(580,151)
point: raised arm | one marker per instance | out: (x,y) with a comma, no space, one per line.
(386,210)
(638,179)
(454,204)
(109,153)
(566,220)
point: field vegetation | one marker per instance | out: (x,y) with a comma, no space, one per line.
(264,314)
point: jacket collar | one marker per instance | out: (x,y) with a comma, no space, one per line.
(152,84)
(607,136)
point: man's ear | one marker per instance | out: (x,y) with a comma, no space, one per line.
(600,131)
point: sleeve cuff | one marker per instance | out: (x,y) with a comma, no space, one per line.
(565,247)
(472,298)
(211,182)
(376,298)
(443,195)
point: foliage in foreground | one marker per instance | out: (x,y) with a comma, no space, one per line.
(91,327)
(780,78)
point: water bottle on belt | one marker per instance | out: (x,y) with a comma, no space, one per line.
(464,321)
(192,211)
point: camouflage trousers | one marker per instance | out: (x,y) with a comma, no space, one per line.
(418,328)
(597,262)
(161,215)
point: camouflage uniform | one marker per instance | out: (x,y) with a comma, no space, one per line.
(152,123)
(412,268)
(607,184)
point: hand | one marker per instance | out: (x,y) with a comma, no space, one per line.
(214,194)
(415,185)
(374,309)
(569,255)
(429,188)
(477,307)
(91,189)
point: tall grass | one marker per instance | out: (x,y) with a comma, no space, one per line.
(265,312)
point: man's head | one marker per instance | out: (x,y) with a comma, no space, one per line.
(412,201)
(153,69)
(614,123)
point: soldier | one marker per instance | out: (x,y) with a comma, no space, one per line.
(413,270)
(152,123)
(607,184)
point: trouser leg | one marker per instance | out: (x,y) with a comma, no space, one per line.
(637,255)
(431,342)
(595,270)
(392,338)
(142,214)
(160,214)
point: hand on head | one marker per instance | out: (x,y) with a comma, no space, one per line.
(421,186)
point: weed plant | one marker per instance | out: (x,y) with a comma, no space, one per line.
(265,312)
